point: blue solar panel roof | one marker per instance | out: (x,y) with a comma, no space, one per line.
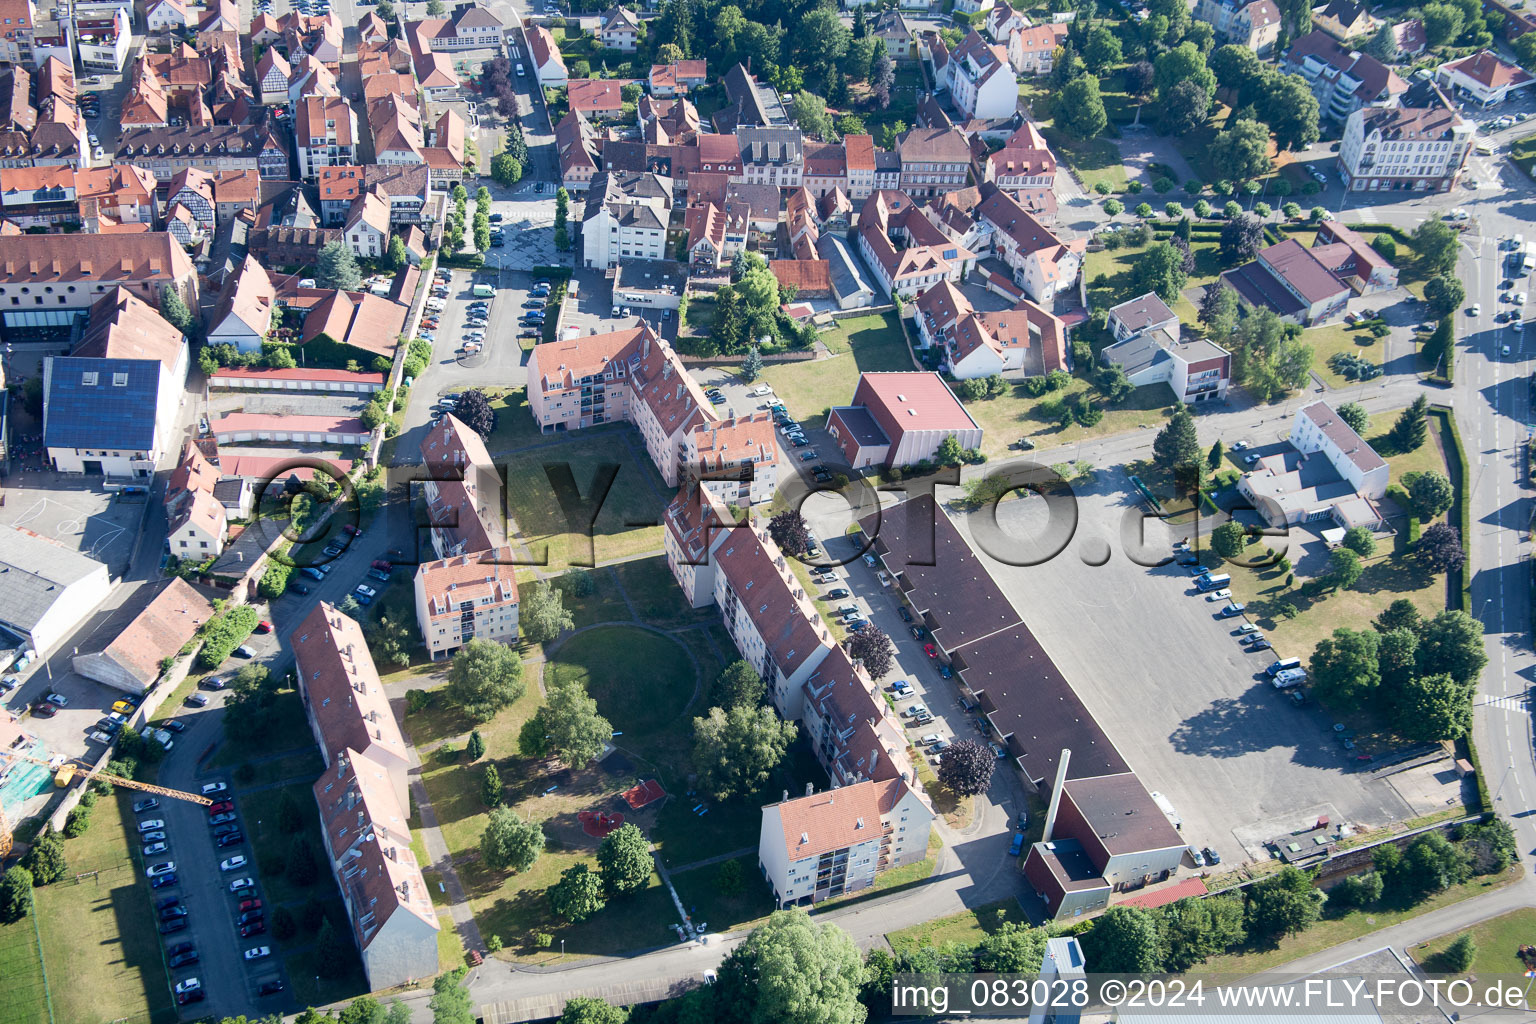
(103,414)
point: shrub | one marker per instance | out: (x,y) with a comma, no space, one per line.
(224,633)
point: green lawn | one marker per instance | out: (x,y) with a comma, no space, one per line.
(809,389)
(515,427)
(1007,418)
(1094,160)
(1496,942)
(637,496)
(1336,931)
(100,944)
(699,890)
(643,683)
(23,993)
(656,596)
(1339,337)
(1523,153)
(968,927)
(270,845)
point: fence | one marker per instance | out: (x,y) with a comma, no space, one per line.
(799,356)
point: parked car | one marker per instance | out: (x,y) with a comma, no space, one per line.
(221,818)
(163,881)
(220,806)
(147,804)
(184,959)
(58,700)
(241,883)
(212,683)
(232,839)
(258,952)
(254,928)
(234,863)
(245,651)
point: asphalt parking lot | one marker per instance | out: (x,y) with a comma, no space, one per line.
(76,513)
(1171,685)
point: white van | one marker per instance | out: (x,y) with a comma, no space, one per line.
(1164,805)
(1289,678)
(1283,665)
(521,71)
(1215,582)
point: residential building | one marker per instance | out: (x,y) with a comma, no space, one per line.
(1421,145)
(891,28)
(1483,78)
(695,523)
(1409,38)
(1307,285)
(464,597)
(211,148)
(626,216)
(576,146)
(238,427)
(899,419)
(405,186)
(620,30)
(367,228)
(981,80)
(193,190)
(132,658)
(933,161)
(736,459)
(748,102)
(1150,348)
(829,844)
(597,98)
(325,134)
(1343,80)
(1025,338)
(714,239)
(92,199)
(468,27)
(927,257)
(675,79)
(363,799)
(244,313)
(1003,20)
(1293,486)
(1251,23)
(1032,50)
(548,65)
(47,590)
(46,280)
(165,17)
(1344,20)
(1024,163)
(1107,835)
(1042,264)
(18,21)
(105,47)
(197,530)
(771,155)
(463,491)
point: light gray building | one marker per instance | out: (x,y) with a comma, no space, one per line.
(46,589)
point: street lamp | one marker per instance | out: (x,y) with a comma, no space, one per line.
(1499,795)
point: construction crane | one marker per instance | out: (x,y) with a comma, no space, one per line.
(66,772)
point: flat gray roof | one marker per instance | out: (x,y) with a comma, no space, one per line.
(34,573)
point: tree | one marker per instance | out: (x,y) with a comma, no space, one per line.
(1290,110)
(752,365)
(395,258)
(435,9)
(1430,494)
(1452,642)
(1176,447)
(362,1010)
(809,111)
(1344,667)
(1101,50)
(1435,243)
(967,767)
(737,684)
(1241,239)
(1269,355)
(577,733)
(1183,63)
(790,532)
(1360,540)
(1283,904)
(475,748)
(1112,383)
(45,858)
(541,614)
(336,267)
(475,412)
(1196,929)
(1430,708)
(1239,71)
(1444,295)
(1360,890)
(792,970)
(15,894)
(1525,52)
(624,860)
(562,211)
(451,1002)
(1080,108)
(490,786)
(301,867)
(506,169)
(1432,863)
(173,310)
(1410,429)
(1441,345)
(1218,310)
(591,1010)
(578,895)
(510,842)
(284,927)
(1442,23)
(1489,844)
(1459,955)
(950,453)
(1355,415)
(873,647)
(1242,151)
(289,818)
(882,76)
(1400,614)
(1229,539)
(1160,269)
(1440,548)
(1123,940)
(484,677)
(1344,568)
(736,749)
(1383,43)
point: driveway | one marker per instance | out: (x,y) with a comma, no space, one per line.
(1141,147)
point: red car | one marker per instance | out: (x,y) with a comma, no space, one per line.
(254,928)
(353,530)
(221,807)
(930,650)
(250,905)
(264,626)
(382,565)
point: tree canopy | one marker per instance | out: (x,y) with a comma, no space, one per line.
(484,677)
(735,749)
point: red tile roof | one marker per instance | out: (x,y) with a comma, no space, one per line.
(912,400)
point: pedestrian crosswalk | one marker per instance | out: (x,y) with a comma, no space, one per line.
(1514,702)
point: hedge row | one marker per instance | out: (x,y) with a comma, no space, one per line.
(1477,773)
(224,633)
(1461,508)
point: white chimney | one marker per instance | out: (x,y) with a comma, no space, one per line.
(1061,780)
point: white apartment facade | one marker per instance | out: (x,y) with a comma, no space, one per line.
(459,599)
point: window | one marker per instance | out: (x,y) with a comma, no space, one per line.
(119,380)
(88,378)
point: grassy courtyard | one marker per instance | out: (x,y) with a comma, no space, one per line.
(1334,338)
(1496,941)
(865,344)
